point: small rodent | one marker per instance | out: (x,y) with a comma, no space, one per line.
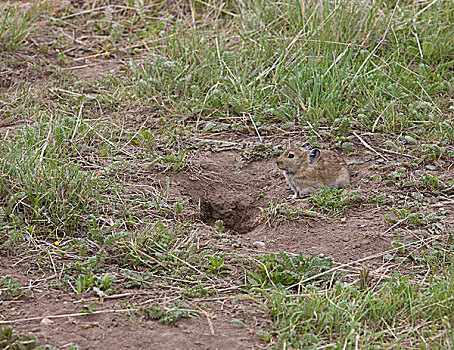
(306,169)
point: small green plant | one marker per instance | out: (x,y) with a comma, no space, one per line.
(167,315)
(334,201)
(198,292)
(216,263)
(99,285)
(284,270)
(412,220)
(10,289)
(15,25)
(178,207)
(341,127)
(16,341)
(219,226)
(432,183)
(175,161)
(348,147)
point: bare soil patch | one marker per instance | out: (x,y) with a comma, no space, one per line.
(227,188)
(214,329)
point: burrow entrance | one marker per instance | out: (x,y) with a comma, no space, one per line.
(233,195)
(231,202)
(235,216)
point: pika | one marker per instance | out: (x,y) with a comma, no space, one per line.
(307,169)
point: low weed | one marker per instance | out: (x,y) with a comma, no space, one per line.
(283,270)
(9,339)
(16,22)
(334,201)
(428,183)
(169,314)
(38,181)
(10,289)
(99,285)
(347,315)
(407,217)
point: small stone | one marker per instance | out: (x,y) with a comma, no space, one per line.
(431,167)
(46,322)
(259,245)
(321,255)
(344,220)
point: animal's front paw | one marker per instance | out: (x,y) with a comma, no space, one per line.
(291,198)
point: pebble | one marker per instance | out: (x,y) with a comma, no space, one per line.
(259,245)
(46,322)
(431,167)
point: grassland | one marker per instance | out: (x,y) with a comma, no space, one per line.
(105,108)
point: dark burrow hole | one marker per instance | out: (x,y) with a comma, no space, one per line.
(231,197)
(236,217)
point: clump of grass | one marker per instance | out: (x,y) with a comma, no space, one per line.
(15,24)
(278,212)
(169,314)
(39,185)
(284,270)
(431,182)
(350,316)
(312,71)
(334,201)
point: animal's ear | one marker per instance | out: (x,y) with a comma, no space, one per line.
(314,155)
(306,146)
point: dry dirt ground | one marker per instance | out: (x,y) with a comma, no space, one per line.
(117,330)
(225,187)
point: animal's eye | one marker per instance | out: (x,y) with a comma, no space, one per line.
(290,155)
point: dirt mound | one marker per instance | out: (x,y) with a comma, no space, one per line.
(224,187)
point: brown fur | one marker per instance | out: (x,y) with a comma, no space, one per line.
(305,172)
